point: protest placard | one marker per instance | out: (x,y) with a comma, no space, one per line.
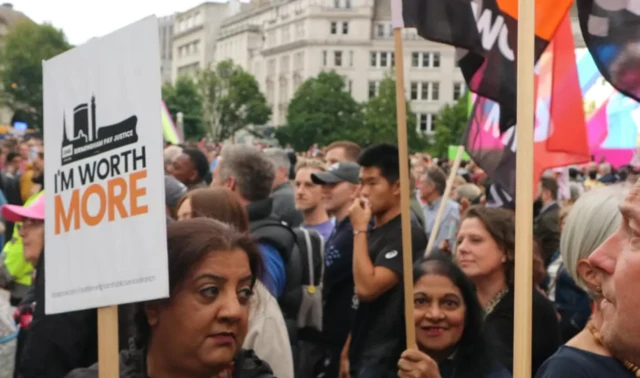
(105,228)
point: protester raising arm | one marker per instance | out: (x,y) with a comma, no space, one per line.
(370,281)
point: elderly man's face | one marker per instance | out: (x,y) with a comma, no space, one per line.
(618,260)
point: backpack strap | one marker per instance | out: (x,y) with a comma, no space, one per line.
(307,239)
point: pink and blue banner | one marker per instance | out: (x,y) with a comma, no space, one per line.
(612,118)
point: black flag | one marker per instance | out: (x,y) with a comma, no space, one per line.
(485,31)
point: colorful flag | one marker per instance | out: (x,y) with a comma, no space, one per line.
(560,136)
(611,31)
(497,23)
(169,130)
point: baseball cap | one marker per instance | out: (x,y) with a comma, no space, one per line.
(339,172)
(15,213)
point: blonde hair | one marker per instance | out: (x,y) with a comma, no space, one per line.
(312,164)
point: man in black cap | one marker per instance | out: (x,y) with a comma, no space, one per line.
(340,188)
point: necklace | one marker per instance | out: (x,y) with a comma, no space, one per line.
(634,369)
(488,309)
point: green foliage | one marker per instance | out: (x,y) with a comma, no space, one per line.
(321,111)
(25,47)
(184,96)
(450,125)
(380,120)
(231,100)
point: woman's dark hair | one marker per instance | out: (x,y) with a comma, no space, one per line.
(188,243)
(220,204)
(500,224)
(472,357)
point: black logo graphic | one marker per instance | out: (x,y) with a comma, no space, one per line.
(89,142)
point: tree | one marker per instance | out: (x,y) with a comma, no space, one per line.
(232,100)
(184,96)
(25,47)
(321,111)
(450,125)
(381,123)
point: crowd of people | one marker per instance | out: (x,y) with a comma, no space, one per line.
(289,264)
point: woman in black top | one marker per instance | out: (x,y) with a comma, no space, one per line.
(199,330)
(486,254)
(449,331)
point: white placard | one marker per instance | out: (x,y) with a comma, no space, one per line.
(105,228)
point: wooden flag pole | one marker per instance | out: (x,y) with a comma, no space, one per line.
(524,191)
(403,158)
(443,203)
(108,353)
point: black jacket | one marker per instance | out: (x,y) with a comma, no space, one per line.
(133,365)
(57,344)
(546,230)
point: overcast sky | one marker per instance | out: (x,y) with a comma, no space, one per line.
(82,20)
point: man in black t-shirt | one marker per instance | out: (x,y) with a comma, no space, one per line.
(377,334)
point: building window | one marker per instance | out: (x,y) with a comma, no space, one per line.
(423,122)
(436,60)
(299,61)
(324,58)
(393,59)
(426,60)
(337,58)
(373,89)
(347,4)
(345,28)
(350,85)
(435,91)
(271,67)
(380,30)
(350,58)
(383,59)
(414,90)
(426,123)
(457,91)
(285,34)
(424,90)
(284,64)
(415,59)
(334,27)
(336,3)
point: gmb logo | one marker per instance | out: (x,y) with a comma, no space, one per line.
(599,26)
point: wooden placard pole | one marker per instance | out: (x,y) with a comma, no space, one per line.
(403,158)
(524,191)
(443,203)
(108,353)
